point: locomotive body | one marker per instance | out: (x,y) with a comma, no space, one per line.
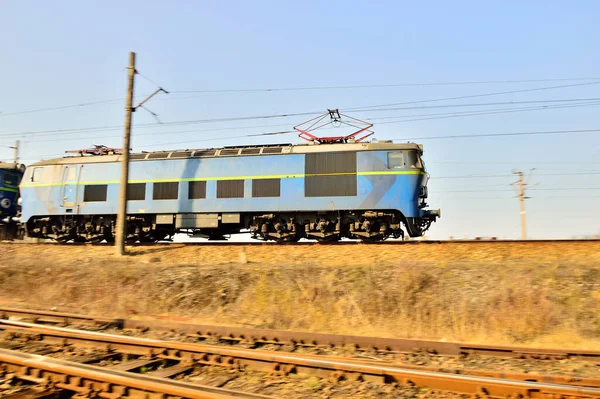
(10,177)
(282,192)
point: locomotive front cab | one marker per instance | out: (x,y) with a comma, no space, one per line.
(411,163)
(10,177)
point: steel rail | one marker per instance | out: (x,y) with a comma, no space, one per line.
(90,380)
(285,363)
(304,339)
(314,243)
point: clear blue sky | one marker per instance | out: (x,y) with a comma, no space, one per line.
(71,52)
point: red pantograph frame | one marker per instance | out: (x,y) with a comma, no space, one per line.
(335,117)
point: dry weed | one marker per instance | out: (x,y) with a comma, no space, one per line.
(506,297)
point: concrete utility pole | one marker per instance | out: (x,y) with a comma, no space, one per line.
(522,198)
(522,202)
(16,148)
(122,215)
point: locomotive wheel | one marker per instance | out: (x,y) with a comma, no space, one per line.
(294,238)
(147,238)
(63,239)
(371,240)
(332,238)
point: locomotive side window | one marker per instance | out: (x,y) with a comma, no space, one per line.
(95,193)
(230,189)
(136,191)
(262,188)
(395,160)
(197,190)
(37,175)
(165,191)
(412,160)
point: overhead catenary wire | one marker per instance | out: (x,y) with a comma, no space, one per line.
(362,108)
(471,162)
(498,93)
(533,189)
(85,104)
(166,124)
(460,83)
(457,114)
(466,113)
(564,100)
(512,175)
(146,125)
(89,103)
(164,133)
(502,198)
(222,138)
(402,139)
(147,78)
(479,135)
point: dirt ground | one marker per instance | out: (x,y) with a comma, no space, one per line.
(545,294)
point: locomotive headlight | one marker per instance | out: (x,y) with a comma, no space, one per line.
(5,203)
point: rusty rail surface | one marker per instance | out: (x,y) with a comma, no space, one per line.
(530,386)
(93,381)
(259,337)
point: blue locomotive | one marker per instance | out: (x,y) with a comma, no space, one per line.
(369,191)
(10,177)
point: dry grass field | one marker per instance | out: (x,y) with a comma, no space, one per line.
(544,294)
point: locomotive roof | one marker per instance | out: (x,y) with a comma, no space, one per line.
(277,149)
(10,166)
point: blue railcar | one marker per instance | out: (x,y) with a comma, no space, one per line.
(369,191)
(10,177)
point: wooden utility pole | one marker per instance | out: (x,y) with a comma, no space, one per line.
(522,199)
(122,215)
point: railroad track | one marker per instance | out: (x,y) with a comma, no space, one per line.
(312,243)
(261,337)
(50,376)
(183,356)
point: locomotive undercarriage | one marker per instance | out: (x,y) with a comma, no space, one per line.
(327,226)
(369,226)
(96,229)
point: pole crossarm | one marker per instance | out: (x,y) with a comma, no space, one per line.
(149,97)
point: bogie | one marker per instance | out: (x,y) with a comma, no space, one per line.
(369,226)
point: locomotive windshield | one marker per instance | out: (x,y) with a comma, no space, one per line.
(404,160)
(11,179)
